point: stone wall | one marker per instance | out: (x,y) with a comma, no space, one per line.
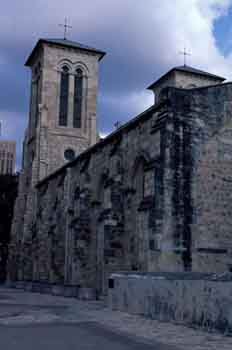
(90,206)
(194,299)
(53,139)
(201,165)
(182,79)
(153,196)
(46,141)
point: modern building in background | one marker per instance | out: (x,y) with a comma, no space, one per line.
(7,157)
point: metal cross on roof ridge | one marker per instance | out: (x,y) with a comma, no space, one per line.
(117,124)
(66,27)
(185,53)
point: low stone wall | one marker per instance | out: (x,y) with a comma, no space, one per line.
(194,299)
(54,289)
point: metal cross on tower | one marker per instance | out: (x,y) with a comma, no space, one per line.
(117,124)
(66,27)
(185,54)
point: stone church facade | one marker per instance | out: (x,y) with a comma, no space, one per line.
(155,195)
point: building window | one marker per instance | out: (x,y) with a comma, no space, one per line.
(2,166)
(139,178)
(64,89)
(148,186)
(11,166)
(69,154)
(37,93)
(78,94)
(37,98)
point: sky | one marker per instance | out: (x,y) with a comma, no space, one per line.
(142,38)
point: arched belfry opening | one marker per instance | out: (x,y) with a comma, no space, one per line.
(63,111)
(64,95)
(78,99)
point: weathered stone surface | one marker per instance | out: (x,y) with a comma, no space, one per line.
(43,152)
(118,208)
(155,195)
(193,299)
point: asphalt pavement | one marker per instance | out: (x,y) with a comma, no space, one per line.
(37,322)
(83,336)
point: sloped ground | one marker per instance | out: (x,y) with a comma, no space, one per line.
(30,320)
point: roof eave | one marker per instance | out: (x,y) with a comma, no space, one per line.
(209,75)
(131,123)
(41,41)
(151,87)
(29,59)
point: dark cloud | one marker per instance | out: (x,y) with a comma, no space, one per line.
(14,89)
(141,38)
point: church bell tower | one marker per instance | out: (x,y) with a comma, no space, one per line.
(62,120)
(62,124)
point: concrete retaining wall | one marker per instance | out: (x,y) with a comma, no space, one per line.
(204,300)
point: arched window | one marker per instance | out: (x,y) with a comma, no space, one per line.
(37,99)
(78,94)
(139,178)
(64,88)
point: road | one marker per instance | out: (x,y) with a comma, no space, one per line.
(32,321)
(84,336)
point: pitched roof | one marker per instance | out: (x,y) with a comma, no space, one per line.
(187,69)
(64,42)
(198,71)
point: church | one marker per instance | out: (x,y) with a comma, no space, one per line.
(154,195)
